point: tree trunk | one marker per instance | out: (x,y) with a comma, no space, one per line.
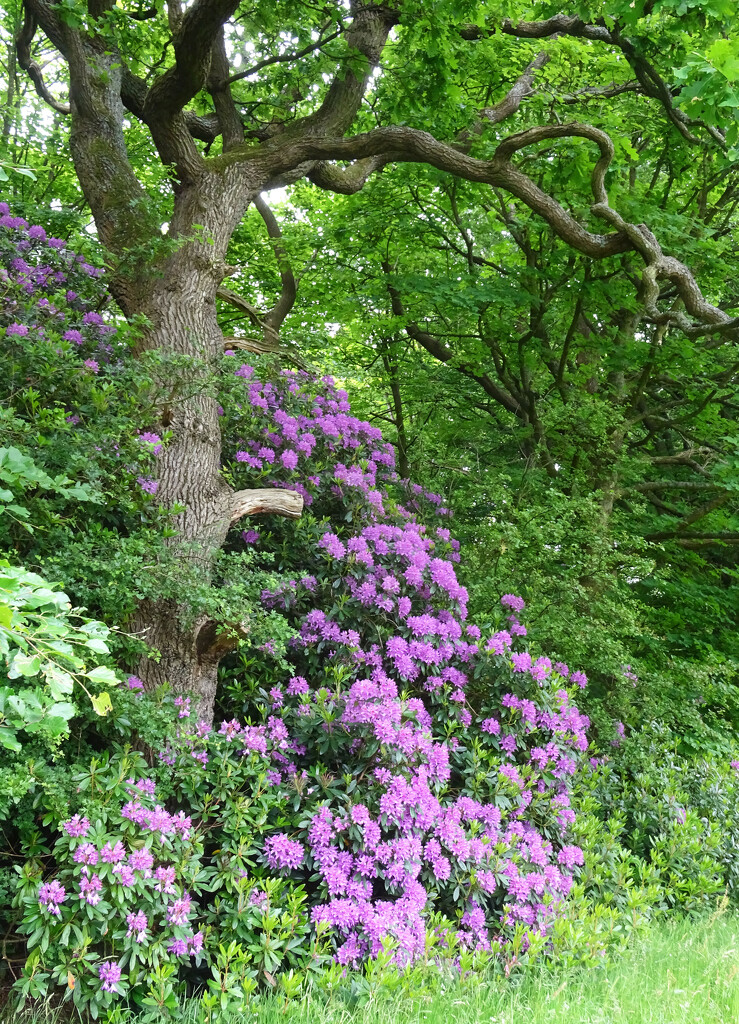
(174,288)
(182,313)
(176,291)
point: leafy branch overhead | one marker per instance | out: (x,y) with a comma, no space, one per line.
(191,98)
(46,651)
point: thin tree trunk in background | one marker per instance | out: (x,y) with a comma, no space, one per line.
(11,94)
(390,362)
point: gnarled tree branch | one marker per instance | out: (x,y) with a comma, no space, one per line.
(32,69)
(219,88)
(274,319)
(240,303)
(649,80)
(594,92)
(513,99)
(404,144)
(410,145)
(195,33)
(366,36)
(346,181)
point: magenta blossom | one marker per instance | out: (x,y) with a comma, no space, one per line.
(110,975)
(50,895)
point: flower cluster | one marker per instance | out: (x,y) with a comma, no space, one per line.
(394,686)
(129,866)
(46,285)
(51,317)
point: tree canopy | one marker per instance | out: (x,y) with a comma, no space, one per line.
(510,226)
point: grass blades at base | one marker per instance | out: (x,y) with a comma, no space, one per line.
(682,973)
(686,972)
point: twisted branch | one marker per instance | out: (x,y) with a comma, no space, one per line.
(346,181)
(404,144)
(515,96)
(32,69)
(650,81)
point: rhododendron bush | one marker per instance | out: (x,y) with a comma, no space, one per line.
(383,775)
(454,749)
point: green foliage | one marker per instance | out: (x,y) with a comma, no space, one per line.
(19,474)
(604,489)
(210,849)
(675,817)
(607,500)
(47,651)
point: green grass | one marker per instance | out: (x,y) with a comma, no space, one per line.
(686,973)
(683,973)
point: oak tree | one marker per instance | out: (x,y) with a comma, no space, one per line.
(235,100)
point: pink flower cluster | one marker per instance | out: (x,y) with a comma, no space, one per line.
(123,870)
(382,599)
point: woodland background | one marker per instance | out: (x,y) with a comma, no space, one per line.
(570,396)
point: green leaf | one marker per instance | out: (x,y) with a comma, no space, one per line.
(63,710)
(24,665)
(60,683)
(97,645)
(25,172)
(101,674)
(102,704)
(8,739)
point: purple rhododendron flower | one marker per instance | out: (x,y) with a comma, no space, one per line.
(76,826)
(152,439)
(385,678)
(521,662)
(113,853)
(90,889)
(50,895)
(86,854)
(331,543)
(141,860)
(148,485)
(137,925)
(183,703)
(179,911)
(110,975)
(283,852)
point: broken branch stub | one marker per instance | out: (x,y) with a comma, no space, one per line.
(267,501)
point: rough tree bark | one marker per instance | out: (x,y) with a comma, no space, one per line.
(176,292)
(176,288)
